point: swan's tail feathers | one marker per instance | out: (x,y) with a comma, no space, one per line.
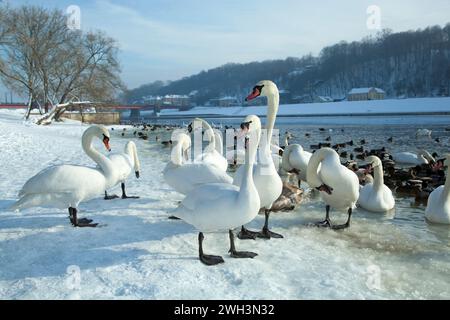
(26,201)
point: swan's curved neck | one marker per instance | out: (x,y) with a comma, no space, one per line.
(177,153)
(211,136)
(446,192)
(286,141)
(131,150)
(378,179)
(247,184)
(219,142)
(273,102)
(312,176)
(104,163)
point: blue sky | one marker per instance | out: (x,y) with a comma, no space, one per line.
(170,39)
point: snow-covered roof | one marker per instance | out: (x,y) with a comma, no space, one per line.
(365,90)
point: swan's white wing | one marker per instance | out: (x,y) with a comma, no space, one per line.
(208,193)
(63,179)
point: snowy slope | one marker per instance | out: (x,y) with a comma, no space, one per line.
(139,254)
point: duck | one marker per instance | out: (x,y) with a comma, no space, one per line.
(291,196)
(376,196)
(215,207)
(265,175)
(125,163)
(66,186)
(438,206)
(214,151)
(338,185)
(184,176)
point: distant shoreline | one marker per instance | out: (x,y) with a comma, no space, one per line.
(320,115)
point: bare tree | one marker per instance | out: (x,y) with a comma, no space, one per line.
(45,60)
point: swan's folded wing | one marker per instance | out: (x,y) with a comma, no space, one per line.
(209,193)
(62,179)
(199,173)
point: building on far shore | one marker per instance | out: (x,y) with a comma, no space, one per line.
(364,94)
(225,102)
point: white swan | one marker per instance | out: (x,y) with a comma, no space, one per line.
(214,151)
(421,157)
(295,160)
(438,207)
(267,180)
(124,163)
(65,186)
(223,206)
(338,185)
(423,133)
(186,176)
(376,196)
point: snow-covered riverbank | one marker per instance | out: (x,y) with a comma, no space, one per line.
(344,108)
(139,254)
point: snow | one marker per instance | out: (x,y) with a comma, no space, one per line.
(400,106)
(138,253)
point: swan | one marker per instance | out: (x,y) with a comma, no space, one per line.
(376,196)
(214,151)
(223,206)
(423,133)
(438,207)
(267,180)
(124,163)
(421,157)
(295,160)
(65,186)
(338,185)
(185,176)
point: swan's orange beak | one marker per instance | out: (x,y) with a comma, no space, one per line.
(106,143)
(253,95)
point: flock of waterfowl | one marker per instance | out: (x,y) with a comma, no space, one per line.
(216,201)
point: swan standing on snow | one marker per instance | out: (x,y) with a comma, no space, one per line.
(186,176)
(438,207)
(338,185)
(124,163)
(267,181)
(65,186)
(214,151)
(223,206)
(421,157)
(375,196)
(295,160)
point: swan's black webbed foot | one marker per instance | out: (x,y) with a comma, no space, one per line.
(267,234)
(207,259)
(124,195)
(239,254)
(174,218)
(110,197)
(324,224)
(210,260)
(341,226)
(246,234)
(80,223)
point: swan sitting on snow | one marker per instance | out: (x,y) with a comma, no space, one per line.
(338,185)
(66,186)
(124,163)
(376,196)
(223,206)
(421,157)
(186,176)
(438,207)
